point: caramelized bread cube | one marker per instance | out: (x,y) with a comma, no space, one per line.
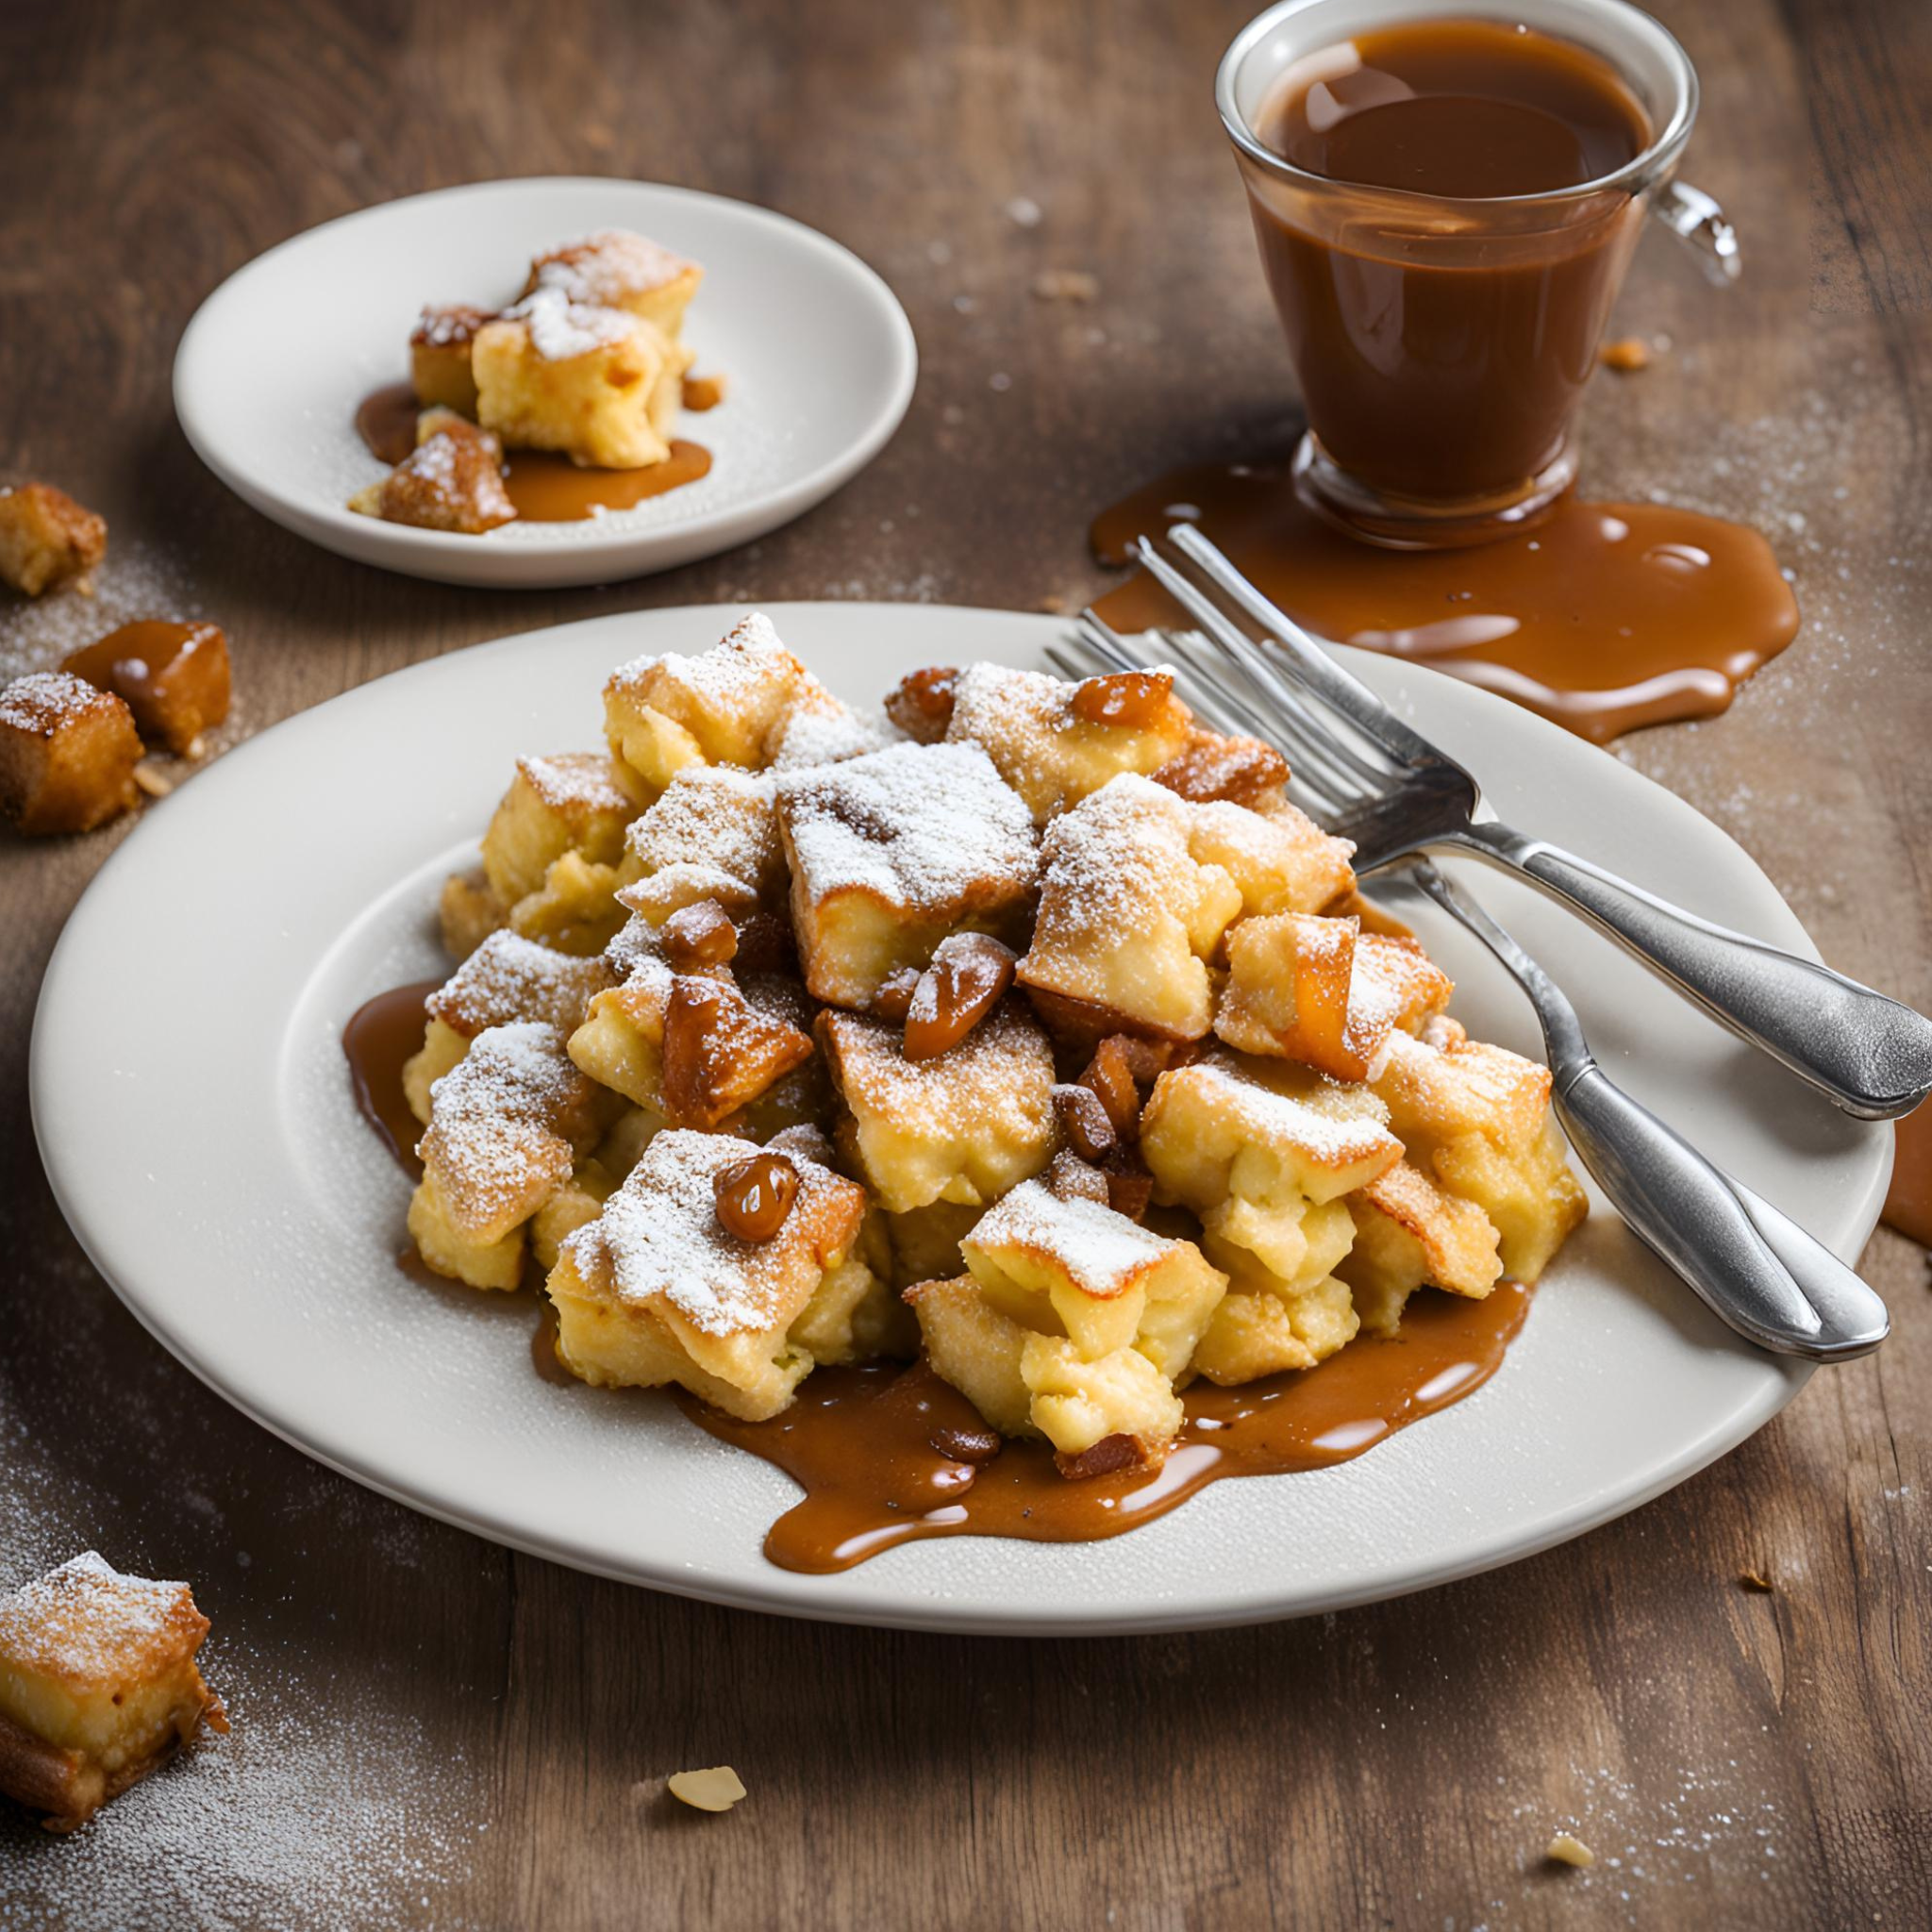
(1278,857)
(711,834)
(966,1126)
(577,908)
(1127,917)
(656,1290)
(892,853)
(1323,991)
(1476,1119)
(1409,1233)
(451,482)
(506,1127)
(98,1686)
(721,706)
(440,346)
(46,539)
(1052,745)
(173,676)
(618,269)
(591,383)
(576,801)
(505,979)
(67,754)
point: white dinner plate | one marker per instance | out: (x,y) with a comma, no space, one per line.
(193,1110)
(817,354)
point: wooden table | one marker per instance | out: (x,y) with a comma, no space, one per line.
(432,1731)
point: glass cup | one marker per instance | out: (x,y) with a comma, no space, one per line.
(1443,344)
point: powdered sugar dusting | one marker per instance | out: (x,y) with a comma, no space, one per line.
(1332,1137)
(576,781)
(44,700)
(826,735)
(561,329)
(662,1233)
(88,1623)
(921,825)
(493,1121)
(131,583)
(1103,1252)
(715,815)
(608,267)
(996,1086)
(509,978)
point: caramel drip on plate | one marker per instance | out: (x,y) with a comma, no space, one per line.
(380,1036)
(1908,1200)
(860,1442)
(1603,617)
(544,487)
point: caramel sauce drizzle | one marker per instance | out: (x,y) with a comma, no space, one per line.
(860,1442)
(1603,616)
(544,487)
(383,1033)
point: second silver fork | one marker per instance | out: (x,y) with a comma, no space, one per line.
(1755,1268)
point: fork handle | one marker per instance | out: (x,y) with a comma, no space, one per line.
(1867,1054)
(1754,1267)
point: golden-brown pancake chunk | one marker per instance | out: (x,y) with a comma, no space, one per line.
(98,1686)
(657,1290)
(965,1128)
(1409,1233)
(440,346)
(46,539)
(67,754)
(617,268)
(452,480)
(892,853)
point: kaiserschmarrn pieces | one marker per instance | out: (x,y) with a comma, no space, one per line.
(1264,1152)
(722,706)
(46,539)
(505,979)
(505,1125)
(439,348)
(892,852)
(657,1289)
(452,480)
(1073,1324)
(1033,1028)
(599,385)
(1476,1119)
(618,269)
(1320,990)
(966,1126)
(174,677)
(67,754)
(98,1686)
(1055,742)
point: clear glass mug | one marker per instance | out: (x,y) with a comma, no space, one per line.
(1443,345)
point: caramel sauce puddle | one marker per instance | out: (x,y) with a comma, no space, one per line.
(1603,617)
(859,1440)
(545,487)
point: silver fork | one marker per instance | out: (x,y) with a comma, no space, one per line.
(1755,1268)
(1388,788)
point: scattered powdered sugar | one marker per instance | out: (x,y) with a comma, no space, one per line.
(713,815)
(827,735)
(1340,1133)
(561,329)
(131,583)
(994,1088)
(576,782)
(86,1623)
(42,700)
(922,827)
(447,326)
(1116,869)
(748,668)
(509,978)
(662,1235)
(1389,986)
(602,269)
(1103,1252)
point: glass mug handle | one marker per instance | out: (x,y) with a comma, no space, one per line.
(1699,223)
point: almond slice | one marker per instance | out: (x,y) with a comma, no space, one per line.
(716,1789)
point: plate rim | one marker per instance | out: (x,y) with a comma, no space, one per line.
(904,1609)
(767,511)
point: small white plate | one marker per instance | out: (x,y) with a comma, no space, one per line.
(817,354)
(193,1111)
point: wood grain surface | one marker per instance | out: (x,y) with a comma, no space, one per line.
(433,1732)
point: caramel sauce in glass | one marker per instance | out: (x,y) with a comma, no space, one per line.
(544,487)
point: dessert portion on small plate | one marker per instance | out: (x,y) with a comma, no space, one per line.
(1025,1034)
(545,318)
(235,1195)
